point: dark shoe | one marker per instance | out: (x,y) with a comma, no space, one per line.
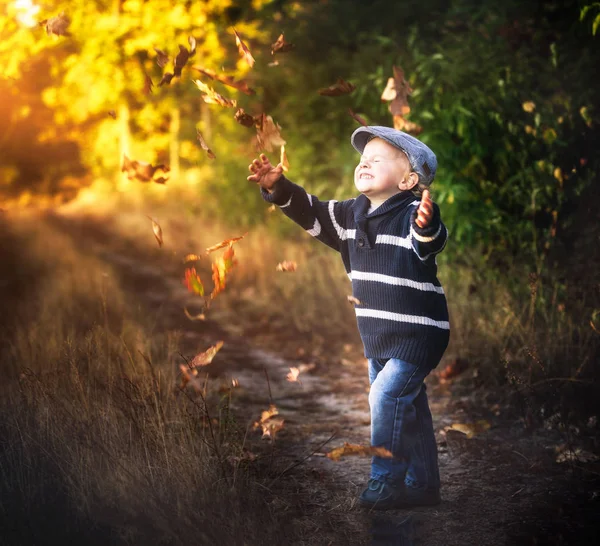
(382,496)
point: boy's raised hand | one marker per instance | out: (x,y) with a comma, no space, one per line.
(263,172)
(425,210)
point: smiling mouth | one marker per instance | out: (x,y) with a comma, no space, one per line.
(365,175)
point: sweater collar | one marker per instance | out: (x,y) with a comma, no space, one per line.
(399,201)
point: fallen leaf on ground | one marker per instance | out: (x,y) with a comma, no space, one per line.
(470,429)
(203,144)
(293,374)
(57,25)
(210,96)
(240,85)
(352,299)
(192,281)
(341,87)
(564,454)
(243,49)
(286,265)
(281,46)
(205,358)
(157,231)
(355,449)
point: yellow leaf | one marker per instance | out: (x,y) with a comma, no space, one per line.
(529,106)
(355,449)
(471,429)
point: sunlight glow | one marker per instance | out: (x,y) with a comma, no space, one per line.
(26,12)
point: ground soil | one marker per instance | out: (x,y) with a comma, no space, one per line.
(502,486)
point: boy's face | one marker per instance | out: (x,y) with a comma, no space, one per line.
(383,171)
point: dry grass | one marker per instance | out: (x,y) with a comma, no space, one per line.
(98,446)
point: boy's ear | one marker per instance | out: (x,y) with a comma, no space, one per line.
(409,181)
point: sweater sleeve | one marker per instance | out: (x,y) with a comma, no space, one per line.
(430,240)
(324,220)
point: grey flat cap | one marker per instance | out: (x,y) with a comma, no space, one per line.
(422,159)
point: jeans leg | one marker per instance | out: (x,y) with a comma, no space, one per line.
(394,420)
(423,470)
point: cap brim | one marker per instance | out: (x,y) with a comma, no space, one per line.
(362,135)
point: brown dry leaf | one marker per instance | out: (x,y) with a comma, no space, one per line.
(112,114)
(205,358)
(243,49)
(341,87)
(397,91)
(286,265)
(470,429)
(358,118)
(181,60)
(144,172)
(402,124)
(203,144)
(355,449)
(266,414)
(148,85)
(268,136)
(281,46)
(191,258)
(271,427)
(292,376)
(166,79)
(285,164)
(240,85)
(162,58)
(57,25)
(212,97)
(244,119)
(199,316)
(223,244)
(157,231)
(352,299)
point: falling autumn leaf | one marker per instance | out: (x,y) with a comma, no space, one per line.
(191,258)
(352,299)
(181,60)
(112,114)
(223,244)
(244,119)
(57,25)
(205,358)
(285,164)
(355,449)
(358,118)
(240,85)
(529,106)
(221,268)
(234,382)
(162,58)
(402,124)
(144,172)
(281,46)
(341,87)
(166,79)
(396,92)
(148,85)
(269,423)
(192,281)
(293,374)
(268,136)
(286,266)
(274,63)
(157,231)
(470,429)
(203,144)
(192,42)
(199,316)
(243,49)
(210,96)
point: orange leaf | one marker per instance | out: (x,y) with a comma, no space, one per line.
(144,172)
(281,46)
(286,265)
(226,242)
(292,376)
(191,258)
(212,97)
(205,358)
(157,231)
(341,87)
(192,281)
(243,49)
(240,85)
(355,449)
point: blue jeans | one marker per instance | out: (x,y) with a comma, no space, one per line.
(401,422)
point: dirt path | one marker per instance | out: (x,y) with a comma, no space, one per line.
(502,486)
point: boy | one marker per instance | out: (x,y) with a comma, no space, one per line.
(388,242)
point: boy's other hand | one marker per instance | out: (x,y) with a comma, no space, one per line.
(425,211)
(263,172)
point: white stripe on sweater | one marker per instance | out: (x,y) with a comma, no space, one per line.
(397,281)
(404,242)
(287,204)
(316,229)
(341,232)
(397,317)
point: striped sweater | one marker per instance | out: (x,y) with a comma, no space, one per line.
(391,263)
